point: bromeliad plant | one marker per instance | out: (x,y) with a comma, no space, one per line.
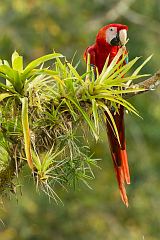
(41,109)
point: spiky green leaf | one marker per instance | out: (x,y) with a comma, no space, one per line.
(17,62)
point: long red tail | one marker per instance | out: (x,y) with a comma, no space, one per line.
(118,151)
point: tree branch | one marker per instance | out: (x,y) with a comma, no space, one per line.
(149,84)
(119,9)
(142,20)
(123,8)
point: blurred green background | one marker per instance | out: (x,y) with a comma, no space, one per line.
(36,27)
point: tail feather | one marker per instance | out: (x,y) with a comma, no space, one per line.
(119,154)
(125,166)
(120,179)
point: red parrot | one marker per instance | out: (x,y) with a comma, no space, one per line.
(108,41)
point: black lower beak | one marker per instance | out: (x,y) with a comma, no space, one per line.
(115,41)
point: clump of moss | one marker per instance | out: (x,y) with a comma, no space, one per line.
(7,169)
(43,106)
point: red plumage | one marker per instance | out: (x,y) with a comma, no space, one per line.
(98,54)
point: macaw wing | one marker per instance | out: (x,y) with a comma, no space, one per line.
(118,152)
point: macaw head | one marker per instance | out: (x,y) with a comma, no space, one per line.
(112,34)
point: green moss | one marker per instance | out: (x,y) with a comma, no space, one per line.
(6,170)
(43,106)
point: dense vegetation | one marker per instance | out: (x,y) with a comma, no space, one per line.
(34,28)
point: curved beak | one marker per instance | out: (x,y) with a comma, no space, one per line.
(120,39)
(123,37)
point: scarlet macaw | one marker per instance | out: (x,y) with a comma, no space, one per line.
(108,41)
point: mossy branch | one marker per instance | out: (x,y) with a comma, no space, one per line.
(42,107)
(147,85)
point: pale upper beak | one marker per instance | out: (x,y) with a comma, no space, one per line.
(123,36)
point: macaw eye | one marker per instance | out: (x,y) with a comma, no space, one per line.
(111,29)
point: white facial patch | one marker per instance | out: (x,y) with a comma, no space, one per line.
(110,34)
(123,36)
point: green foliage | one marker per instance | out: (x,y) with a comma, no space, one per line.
(42,107)
(34,28)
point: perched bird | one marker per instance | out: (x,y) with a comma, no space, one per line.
(109,40)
